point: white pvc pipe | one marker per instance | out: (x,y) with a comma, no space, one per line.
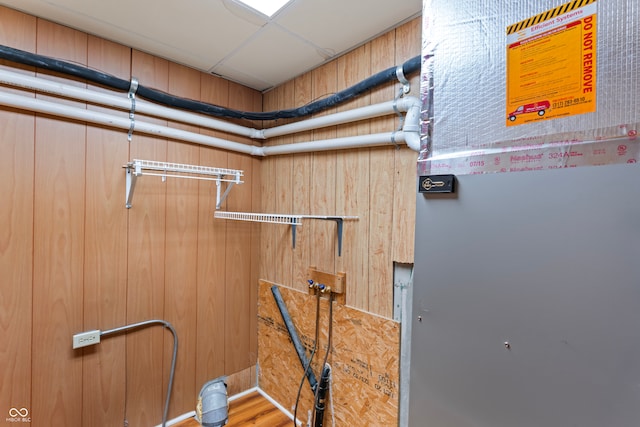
(336,143)
(410,134)
(411,127)
(79,93)
(363,113)
(40,106)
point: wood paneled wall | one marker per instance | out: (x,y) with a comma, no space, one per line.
(73,258)
(378,184)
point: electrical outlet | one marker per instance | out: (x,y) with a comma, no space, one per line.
(84,339)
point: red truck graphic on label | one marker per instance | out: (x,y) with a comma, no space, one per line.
(536,107)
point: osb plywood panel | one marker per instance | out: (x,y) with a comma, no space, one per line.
(364,357)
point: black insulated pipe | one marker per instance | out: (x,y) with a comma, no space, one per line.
(74,70)
(313,382)
(321,396)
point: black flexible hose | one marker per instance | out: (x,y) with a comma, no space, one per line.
(321,391)
(308,367)
(46,63)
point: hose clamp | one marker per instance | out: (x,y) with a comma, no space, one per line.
(406,85)
(133,88)
(398,113)
(393,140)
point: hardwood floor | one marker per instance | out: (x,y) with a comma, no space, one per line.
(250,410)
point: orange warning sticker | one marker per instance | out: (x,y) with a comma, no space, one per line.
(551,64)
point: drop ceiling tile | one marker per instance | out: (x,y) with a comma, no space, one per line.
(339,25)
(194,32)
(275,56)
(240,76)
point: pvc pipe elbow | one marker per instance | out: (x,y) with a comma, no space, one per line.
(257,133)
(411,126)
(412,139)
(258,151)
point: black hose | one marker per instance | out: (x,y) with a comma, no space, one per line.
(308,367)
(321,391)
(321,394)
(46,63)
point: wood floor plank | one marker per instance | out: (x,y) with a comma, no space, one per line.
(250,410)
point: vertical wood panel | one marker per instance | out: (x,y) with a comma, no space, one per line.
(268,174)
(211,305)
(256,248)
(323,177)
(381,180)
(146,261)
(181,252)
(59,247)
(238,275)
(284,195)
(238,260)
(352,186)
(16,230)
(408,41)
(105,258)
(301,185)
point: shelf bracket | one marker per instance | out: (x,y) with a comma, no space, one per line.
(132,177)
(220,199)
(339,222)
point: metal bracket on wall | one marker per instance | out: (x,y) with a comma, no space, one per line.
(137,168)
(293,220)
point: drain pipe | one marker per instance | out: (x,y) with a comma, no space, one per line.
(90,116)
(410,133)
(109,100)
(411,105)
(362,113)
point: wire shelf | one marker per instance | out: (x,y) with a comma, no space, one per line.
(137,168)
(293,220)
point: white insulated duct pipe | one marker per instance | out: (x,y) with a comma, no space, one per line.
(360,141)
(103,98)
(45,107)
(410,136)
(410,133)
(401,105)
(411,105)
